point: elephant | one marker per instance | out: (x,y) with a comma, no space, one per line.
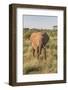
(38,41)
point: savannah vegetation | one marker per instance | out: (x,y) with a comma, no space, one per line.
(31,65)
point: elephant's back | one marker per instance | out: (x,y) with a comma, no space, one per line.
(38,38)
(35,39)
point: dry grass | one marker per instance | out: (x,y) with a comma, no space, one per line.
(31,65)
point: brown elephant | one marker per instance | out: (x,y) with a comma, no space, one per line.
(39,41)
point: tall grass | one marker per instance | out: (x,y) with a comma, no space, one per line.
(31,65)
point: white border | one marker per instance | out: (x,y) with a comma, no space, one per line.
(40,77)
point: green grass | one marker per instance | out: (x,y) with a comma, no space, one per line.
(31,65)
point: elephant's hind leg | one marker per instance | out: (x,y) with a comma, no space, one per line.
(45,53)
(33,51)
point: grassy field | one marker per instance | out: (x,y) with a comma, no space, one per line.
(31,65)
